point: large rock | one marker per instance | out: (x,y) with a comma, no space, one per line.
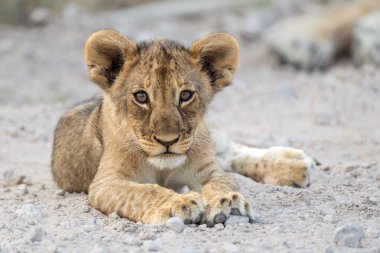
(349,235)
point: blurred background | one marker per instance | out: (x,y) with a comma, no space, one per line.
(330,111)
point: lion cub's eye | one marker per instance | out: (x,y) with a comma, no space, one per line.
(141,97)
(186,95)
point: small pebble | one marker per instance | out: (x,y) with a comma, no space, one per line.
(31,211)
(56,206)
(175,224)
(324,167)
(86,208)
(22,189)
(372,232)
(114,216)
(329,249)
(373,200)
(130,229)
(147,236)
(219,226)
(36,234)
(59,192)
(70,236)
(349,168)
(202,227)
(349,235)
(189,231)
(329,218)
(317,188)
(256,218)
(90,228)
(236,219)
(155,245)
(133,241)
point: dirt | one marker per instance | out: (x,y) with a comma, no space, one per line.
(333,115)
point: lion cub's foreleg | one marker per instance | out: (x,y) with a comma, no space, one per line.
(277,165)
(112,191)
(220,192)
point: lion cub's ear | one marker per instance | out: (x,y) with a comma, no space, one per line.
(105,54)
(218,54)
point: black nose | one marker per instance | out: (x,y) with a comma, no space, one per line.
(166,143)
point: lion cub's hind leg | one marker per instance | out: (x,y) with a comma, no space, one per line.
(278,165)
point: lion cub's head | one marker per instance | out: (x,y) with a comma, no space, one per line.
(160,88)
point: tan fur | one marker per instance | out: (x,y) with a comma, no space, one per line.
(132,158)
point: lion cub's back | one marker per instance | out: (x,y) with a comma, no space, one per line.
(78,146)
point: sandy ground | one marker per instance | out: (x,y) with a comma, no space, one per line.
(333,115)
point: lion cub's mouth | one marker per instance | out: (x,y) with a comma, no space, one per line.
(167,160)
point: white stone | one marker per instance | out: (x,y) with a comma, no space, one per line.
(114,216)
(330,218)
(202,227)
(373,200)
(175,224)
(219,226)
(147,236)
(86,208)
(236,219)
(30,211)
(349,235)
(89,228)
(36,234)
(99,249)
(372,232)
(22,189)
(189,231)
(133,241)
(155,245)
(317,188)
(59,192)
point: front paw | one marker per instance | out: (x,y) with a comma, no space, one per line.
(287,167)
(189,207)
(220,206)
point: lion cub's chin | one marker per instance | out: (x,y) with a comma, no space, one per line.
(167,161)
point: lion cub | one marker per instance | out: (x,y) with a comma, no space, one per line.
(136,147)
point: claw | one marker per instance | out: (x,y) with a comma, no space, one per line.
(198,219)
(220,218)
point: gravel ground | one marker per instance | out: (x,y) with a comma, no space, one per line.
(332,115)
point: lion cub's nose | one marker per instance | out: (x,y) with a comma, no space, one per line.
(166,140)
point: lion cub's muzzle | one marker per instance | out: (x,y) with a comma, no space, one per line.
(170,150)
(166,140)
